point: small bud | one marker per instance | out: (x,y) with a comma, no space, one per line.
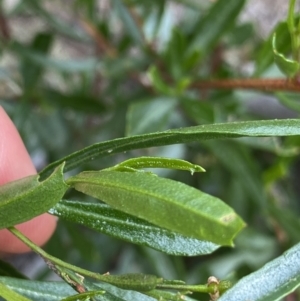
(214,282)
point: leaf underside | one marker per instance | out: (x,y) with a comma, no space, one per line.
(107,220)
(272,282)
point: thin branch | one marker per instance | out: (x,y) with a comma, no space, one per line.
(101,42)
(4,28)
(272,84)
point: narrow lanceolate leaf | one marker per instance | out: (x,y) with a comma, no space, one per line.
(264,128)
(120,225)
(24,199)
(156,162)
(272,282)
(163,202)
(10,295)
(129,23)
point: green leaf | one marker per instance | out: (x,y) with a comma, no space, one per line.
(57,23)
(270,144)
(39,290)
(241,34)
(265,56)
(163,202)
(198,111)
(10,295)
(32,72)
(174,53)
(120,225)
(288,67)
(89,64)
(56,291)
(293,29)
(288,221)
(263,128)
(220,18)
(290,100)
(272,282)
(130,25)
(26,198)
(114,293)
(237,160)
(77,101)
(114,68)
(158,83)
(156,162)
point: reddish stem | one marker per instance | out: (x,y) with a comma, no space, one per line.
(272,84)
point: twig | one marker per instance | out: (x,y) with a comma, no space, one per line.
(101,42)
(272,84)
(4,29)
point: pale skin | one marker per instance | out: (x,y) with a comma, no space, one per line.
(15,163)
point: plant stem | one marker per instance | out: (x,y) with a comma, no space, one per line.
(183,287)
(273,84)
(57,265)
(53,259)
(292,30)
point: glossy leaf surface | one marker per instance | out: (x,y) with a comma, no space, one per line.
(163,202)
(263,128)
(115,223)
(272,282)
(26,198)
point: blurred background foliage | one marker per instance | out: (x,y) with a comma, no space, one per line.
(77,72)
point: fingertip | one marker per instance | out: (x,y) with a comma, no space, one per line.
(38,230)
(15,160)
(15,163)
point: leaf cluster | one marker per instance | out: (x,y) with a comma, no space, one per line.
(146,172)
